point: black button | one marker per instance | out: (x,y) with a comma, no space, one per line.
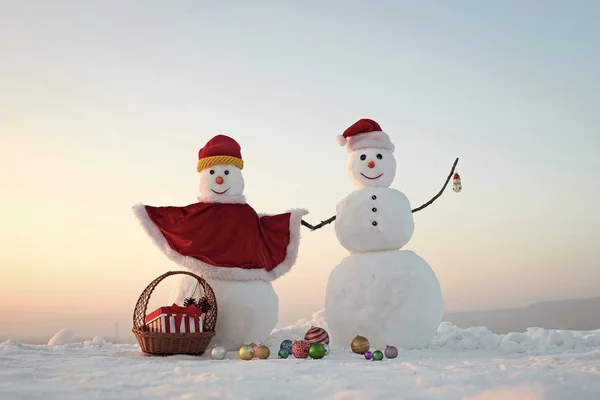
(374,223)
(374,197)
(374,209)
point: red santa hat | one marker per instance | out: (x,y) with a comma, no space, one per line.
(365,133)
(220,150)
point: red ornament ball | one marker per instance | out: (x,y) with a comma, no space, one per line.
(316,335)
(300,349)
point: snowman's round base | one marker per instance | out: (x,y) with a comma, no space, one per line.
(248,310)
(391,298)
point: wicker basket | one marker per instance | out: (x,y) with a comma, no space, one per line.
(173,343)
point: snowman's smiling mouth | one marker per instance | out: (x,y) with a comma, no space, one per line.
(378,176)
(214,191)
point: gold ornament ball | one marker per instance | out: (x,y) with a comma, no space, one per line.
(360,345)
(246,352)
(263,352)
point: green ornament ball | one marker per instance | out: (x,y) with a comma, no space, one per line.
(316,351)
(283,353)
(377,355)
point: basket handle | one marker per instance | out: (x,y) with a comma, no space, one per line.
(141,307)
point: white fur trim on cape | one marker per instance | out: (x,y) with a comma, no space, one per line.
(225,273)
(223,199)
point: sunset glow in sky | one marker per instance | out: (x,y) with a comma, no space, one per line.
(106,104)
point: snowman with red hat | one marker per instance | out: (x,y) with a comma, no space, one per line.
(389,295)
(224,240)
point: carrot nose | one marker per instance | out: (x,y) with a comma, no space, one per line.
(219,180)
(371,164)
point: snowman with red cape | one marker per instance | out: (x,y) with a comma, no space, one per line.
(223,239)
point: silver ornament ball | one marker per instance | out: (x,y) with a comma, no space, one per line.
(218,353)
(326,349)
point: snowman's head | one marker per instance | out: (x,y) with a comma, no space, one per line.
(221,183)
(220,166)
(371,162)
(372,167)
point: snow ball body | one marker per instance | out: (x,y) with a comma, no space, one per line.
(391,298)
(247,310)
(374,219)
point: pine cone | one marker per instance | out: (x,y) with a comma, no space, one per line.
(189,301)
(205,304)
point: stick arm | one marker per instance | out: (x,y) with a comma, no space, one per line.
(434,198)
(414,210)
(319,225)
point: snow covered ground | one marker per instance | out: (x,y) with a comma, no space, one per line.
(472,364)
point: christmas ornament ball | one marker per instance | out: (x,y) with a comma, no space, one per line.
(246,352)
(377,355)
(283,353)
(287,344)
(255,347)
(326,346)
(300,349)
(360,344)
(263,352)
(391,352)
(316,351)
(218,353)
(368,355)
(317,335)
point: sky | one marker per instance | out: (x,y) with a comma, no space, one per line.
(106,104)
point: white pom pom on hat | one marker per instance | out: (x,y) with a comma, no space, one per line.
(365,133)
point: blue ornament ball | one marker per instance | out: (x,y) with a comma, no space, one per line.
(287,345)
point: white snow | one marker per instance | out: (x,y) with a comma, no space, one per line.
(97,341)
(64,336)
(391,297)
(388,208)
(473,364)
(247,311)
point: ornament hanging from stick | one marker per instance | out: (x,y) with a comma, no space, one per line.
(456,183)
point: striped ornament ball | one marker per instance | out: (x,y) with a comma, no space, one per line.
(316,335)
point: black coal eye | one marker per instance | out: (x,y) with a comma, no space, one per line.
(226,172)
(363,157)
(379,156)
(212,171)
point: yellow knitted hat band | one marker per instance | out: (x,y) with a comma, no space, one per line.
(219,160)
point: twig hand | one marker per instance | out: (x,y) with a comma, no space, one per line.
(319,225)
(306,224)
(414,210)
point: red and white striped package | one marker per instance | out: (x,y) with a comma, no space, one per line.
(175,319)
(317,335)
(192,323)
(161,320)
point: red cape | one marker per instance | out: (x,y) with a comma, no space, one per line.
(225,241)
